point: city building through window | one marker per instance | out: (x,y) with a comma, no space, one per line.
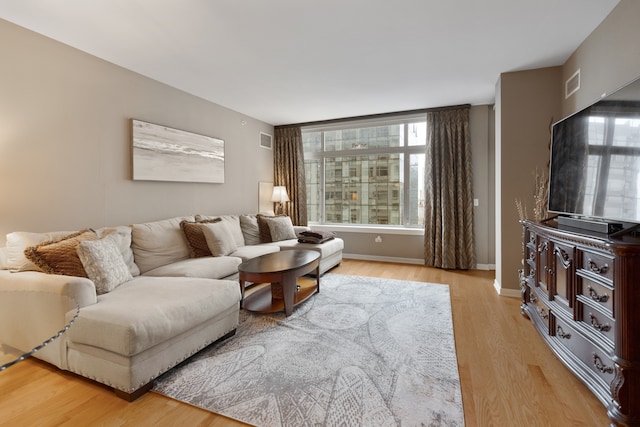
(366,173)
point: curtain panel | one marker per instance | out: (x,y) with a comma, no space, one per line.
(288,169)
(449,235)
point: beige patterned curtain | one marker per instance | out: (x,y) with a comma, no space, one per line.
(288,166)
(448,237)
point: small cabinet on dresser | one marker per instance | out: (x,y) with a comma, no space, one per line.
(582,293)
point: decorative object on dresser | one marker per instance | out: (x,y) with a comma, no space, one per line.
(581,292)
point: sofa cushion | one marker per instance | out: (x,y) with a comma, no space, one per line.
(248,252)
(233,222)
(147,311)
(219,238)
(104,264)
(250,229)
(280,228)
(326,249)
(121,235)
(159,243)
(195,237)
(60,256)
(204,267)
(18,241)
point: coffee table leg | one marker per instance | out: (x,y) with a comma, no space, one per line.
(289,290)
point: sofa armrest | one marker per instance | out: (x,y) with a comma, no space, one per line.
(80,289)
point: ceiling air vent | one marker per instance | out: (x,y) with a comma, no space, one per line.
(572,85)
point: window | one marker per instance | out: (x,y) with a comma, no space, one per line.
(366,173)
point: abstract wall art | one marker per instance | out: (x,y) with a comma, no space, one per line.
(161,153)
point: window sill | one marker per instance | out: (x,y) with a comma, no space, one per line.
(371,229)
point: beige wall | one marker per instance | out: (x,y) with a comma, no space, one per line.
(608,59)
(527,103)
(65,142)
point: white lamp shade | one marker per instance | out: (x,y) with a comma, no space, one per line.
(279,194)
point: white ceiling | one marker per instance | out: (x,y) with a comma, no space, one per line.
(291,61)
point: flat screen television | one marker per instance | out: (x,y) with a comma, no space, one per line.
(595,160)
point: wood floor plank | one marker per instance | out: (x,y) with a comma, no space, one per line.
(508,375)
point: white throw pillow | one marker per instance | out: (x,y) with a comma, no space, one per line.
(104,264)
(121,235)
(219,238)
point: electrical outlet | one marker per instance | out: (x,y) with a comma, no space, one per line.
(378,239)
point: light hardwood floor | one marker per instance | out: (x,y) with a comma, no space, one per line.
(508,375)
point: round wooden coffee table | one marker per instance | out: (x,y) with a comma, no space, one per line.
(282,270)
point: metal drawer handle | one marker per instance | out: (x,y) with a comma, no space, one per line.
(594,295)
(594,322)
(542,313)
(562,334)
(597,362)
(594,267)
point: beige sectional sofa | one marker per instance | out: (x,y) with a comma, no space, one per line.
(162,306)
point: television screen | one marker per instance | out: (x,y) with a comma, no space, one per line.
(595,160)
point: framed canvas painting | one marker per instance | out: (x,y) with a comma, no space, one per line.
(161,153)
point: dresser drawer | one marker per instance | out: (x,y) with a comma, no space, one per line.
(598,322)
(600,266)
(592,357)
(541,311)
(596,293)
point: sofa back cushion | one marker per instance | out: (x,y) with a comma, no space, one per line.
(159,243)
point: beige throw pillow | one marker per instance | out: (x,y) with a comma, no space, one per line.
(250,229)
(281,228)
(219,238)
(104,264)
(263,225)
(60,256)
(196,241)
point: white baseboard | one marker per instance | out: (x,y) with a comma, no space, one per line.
(384,259)
(511,293)
(404,260)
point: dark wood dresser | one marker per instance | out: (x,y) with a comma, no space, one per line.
(581,290)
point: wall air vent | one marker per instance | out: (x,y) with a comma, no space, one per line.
(266,140)
(572,85)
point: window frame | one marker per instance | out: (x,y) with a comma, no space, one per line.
(405,149)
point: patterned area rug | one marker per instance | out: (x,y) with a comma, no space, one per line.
(362,352)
